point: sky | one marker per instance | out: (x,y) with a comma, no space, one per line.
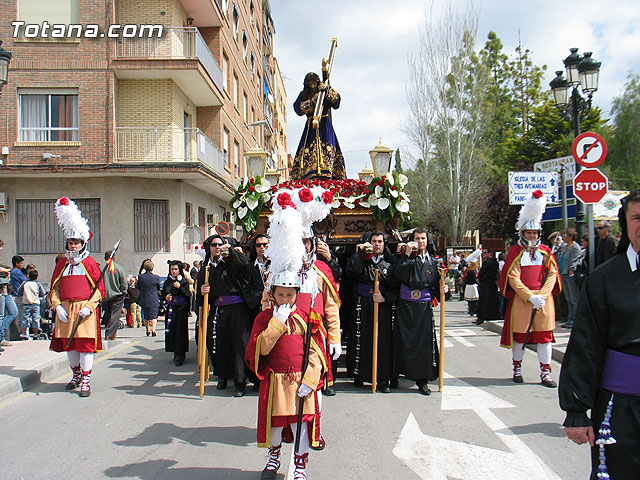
(376,37)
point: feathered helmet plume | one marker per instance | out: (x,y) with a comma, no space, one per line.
(73,224)
(531,212)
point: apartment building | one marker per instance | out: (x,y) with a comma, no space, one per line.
(146,133)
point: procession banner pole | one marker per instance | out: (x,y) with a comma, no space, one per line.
(202,340)
(442,301)
(200,361)
(374,361)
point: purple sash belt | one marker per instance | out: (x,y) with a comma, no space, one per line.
(177,301)
(621,373)
(364,290)
(224,300)
(414,295)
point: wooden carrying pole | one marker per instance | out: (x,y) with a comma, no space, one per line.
(374,360)
(442,301)
(203,353)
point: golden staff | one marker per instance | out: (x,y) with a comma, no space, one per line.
(374,361)
(442,295)
(203,353)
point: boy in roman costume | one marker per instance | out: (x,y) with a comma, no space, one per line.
(73,297)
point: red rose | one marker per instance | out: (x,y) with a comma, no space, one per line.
(274,189)
(357,202)
(367,191)
(327,197)
(64,201)
(251,188)
(252,180)
(393,187)
(305,195)
(537,193)
(284,200)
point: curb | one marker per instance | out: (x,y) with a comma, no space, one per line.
(31,379)
(496,327)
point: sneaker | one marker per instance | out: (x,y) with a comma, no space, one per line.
(25,337)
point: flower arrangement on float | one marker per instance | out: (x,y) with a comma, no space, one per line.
(383,195)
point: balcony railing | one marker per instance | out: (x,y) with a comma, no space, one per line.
(166,144)
(175,43)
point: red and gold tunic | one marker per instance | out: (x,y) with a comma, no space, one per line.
(275,353)
(520,280)
(71,286)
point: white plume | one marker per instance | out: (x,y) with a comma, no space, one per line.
(532,209)
(286,247)
(71,220)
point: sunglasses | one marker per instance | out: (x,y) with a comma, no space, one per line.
(262,245)
(600,228)
(217,244)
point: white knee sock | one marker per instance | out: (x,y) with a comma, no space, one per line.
(517,351)
(544,352)
(276,436)
(86,361)
(74,358)
(304,437)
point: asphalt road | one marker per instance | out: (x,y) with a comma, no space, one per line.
(145,420)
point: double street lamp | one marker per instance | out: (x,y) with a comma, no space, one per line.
(5,58)
(581,71)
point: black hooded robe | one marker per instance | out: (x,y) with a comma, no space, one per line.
(488,306)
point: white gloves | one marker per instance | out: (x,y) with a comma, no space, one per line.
(537,301)
(282,312)
(84,312)
(61,314)
(303,390)
(336,350)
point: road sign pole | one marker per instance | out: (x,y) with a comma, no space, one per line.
(580,227)
(592,240)
(563,193)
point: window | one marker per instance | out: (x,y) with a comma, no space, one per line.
(188,213)
(225,7)
(253,65)
(151,226)
(245,46)
(225,72)
(37,11)
(37,230)
(235,90)
(236,22)
(251,11)
(225,147)
(202,222)
(246,107)
(236,158)
(48,116)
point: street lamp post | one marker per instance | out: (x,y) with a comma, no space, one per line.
(5,58)
(581,71)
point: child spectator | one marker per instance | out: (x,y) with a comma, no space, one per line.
(134,307)
(32,294)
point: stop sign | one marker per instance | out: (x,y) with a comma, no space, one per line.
(590,185)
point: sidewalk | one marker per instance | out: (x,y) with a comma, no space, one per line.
(25,365)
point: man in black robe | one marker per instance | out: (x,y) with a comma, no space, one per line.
(415,346)
(488,288)
(229,321)
(601,366)
(361,267)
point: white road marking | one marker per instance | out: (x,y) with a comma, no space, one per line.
(459,334)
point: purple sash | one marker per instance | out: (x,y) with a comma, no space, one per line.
(364,290)
(621,373)
(225,300)
(177,301)
(414,295)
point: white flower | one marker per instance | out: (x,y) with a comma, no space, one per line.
(394,193)
(263,186)
(237,203)
(378,191)
(373,200)
(242,212)
(364,204)
(404,196)
(348,204)
(335,203)
(383,203)
(402,179)
(389,176)
(266,196)
(251,203)
(402,206)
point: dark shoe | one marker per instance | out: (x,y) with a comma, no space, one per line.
(424,389)
(384,388)
(85,393)
(394,383)
(518,378)
(71,386)
(222,384)
(479,322)
(178,362)
(358,383)
(239,392)
(268,474)
(148,333)
(1,349)
(154,334)
(329,392)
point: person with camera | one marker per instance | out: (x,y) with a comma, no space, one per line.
(415,345)
(568,264)
(8,307)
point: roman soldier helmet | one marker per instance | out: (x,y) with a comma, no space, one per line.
(531,217)
(73,224)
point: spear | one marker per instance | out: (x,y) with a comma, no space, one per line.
(442,300)
(203,353)
(305,364)
(95,287)
(374,361)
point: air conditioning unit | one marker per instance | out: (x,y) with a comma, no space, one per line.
(3,202)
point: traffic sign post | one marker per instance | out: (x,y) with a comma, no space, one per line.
(590,185)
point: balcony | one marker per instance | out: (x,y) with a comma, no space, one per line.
(205,13)
(180,54)
(169,145)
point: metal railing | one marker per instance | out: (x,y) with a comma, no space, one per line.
(175,43)
(167,144)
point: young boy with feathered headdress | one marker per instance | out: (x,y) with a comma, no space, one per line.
(276,350)
(529,280)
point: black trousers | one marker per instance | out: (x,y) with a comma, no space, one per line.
(111,310)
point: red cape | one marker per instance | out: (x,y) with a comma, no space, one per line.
(91,267)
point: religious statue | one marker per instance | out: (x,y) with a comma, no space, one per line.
(319,156)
